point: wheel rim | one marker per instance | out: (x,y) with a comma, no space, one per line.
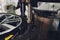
(9,22)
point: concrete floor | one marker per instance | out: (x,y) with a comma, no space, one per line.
(33,33)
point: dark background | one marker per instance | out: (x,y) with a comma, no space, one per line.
(34,2)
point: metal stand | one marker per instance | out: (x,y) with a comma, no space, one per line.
(23,16)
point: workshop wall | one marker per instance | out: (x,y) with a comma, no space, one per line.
(3,4)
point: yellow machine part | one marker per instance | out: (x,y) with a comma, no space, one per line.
(8,37)
(27,1)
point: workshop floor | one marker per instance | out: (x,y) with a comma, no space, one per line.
(33,33)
